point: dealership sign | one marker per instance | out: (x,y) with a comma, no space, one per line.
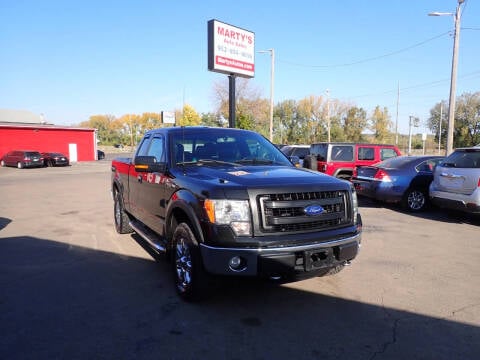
(231,50)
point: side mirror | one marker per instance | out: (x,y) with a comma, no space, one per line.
(148,164)
(295,160)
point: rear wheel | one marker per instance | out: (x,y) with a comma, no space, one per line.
(190,278)
(20,165)
(414,200)
(121,218)
(2,163)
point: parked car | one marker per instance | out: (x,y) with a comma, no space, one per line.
(456,181)
(402,179)
(296,150)
(100,155)
(340,159)
(22,159)
(55,159)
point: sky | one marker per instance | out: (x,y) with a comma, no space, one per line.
(69,60)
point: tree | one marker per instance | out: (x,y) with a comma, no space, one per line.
(467,120)
(313,111)
(188,117)
(106,133)
(286,123)
(211,119)
(249,104)
(355,123)
(433,123)
(381,124)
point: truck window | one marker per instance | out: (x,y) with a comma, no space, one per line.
(366,153)
(143,147)
(387,154)
(157,149)
(342,153)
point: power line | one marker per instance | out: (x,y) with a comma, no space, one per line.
(368,59)
(432,83)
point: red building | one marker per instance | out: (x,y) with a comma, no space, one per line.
(79,144)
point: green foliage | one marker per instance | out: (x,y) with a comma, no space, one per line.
(296,122)
(467,120)
(354,124)
(381,124)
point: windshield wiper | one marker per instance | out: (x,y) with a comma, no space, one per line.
(256,161)
(214,162)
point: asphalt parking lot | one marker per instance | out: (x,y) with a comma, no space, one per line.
(72,288)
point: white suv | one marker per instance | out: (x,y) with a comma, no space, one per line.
(456,181)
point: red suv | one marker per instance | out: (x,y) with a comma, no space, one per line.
(340,159)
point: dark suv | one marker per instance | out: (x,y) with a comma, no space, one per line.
(340,159)
(22,159)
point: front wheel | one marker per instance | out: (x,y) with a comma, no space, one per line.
(189,276)
(121,218)
(414,200)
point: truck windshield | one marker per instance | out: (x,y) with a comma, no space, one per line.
(231,146)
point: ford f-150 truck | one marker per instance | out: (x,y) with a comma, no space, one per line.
(223,201)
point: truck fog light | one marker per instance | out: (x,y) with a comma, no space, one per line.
(241,228)
(237,263)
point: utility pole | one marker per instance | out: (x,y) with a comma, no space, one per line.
(328,115)
(453,78)
(440,128)
(272,80)
(396,119)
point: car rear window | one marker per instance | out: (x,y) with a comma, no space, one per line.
(320,151)
(463,159)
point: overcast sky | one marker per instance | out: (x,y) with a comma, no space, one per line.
(69,60)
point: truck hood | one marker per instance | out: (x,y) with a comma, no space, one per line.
(260,176)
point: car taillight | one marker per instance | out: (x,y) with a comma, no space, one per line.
(382,175)
(355,172)
(323,168)
(478,184)
(26,158)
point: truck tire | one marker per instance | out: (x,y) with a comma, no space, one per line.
(414,200)
(121,218)
(190,278)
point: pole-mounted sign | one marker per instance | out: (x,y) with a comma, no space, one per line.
(231,50)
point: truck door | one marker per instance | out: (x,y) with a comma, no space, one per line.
(150,188)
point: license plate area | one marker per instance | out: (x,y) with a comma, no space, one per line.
(316,259)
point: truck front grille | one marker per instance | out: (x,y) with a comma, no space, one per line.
(286,212)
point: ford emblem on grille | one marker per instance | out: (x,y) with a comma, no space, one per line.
(313,210)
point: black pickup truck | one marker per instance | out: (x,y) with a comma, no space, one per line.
(222,201)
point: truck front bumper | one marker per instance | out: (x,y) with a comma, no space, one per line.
(280,261)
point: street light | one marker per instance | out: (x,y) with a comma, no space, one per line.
(453,78)
(272,77)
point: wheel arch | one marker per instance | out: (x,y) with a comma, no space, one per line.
(183,206)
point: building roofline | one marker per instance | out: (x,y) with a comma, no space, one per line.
(43,126)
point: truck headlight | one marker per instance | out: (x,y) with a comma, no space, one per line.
(235,213)
(355,205)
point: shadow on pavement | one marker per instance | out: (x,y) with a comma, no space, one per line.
(59,301)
